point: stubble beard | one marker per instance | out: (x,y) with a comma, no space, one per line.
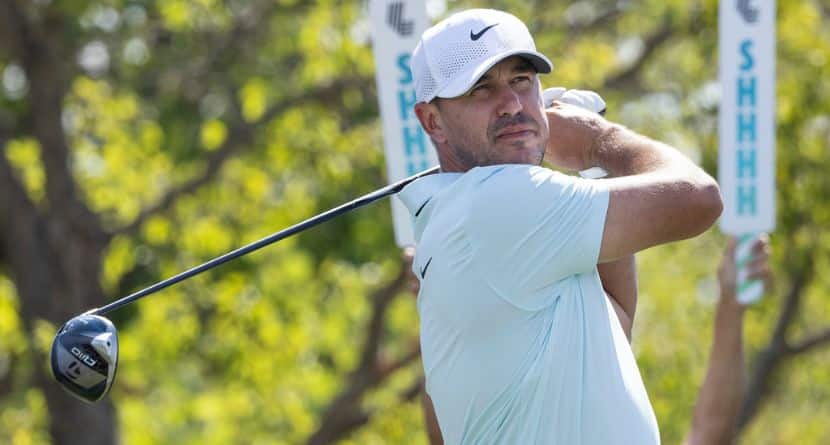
(494,154)
(488,151)
(520,146)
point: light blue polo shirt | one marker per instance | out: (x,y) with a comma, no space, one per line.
(520,344)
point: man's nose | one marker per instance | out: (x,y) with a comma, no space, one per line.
(509,103)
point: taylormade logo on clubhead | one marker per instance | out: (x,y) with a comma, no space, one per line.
(85,357)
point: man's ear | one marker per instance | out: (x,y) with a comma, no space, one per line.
(430,118)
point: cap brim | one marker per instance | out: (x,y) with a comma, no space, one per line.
(464,81)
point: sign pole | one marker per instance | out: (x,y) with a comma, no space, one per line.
(746,156)
(396,30)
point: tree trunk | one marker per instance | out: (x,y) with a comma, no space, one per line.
(55,271)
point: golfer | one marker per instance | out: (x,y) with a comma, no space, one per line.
(521,343)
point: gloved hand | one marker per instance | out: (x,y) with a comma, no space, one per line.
(588,100)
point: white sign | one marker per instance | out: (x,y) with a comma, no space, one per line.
(396,29)
(746,157)
(747,115)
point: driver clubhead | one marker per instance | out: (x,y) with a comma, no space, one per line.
(85,356)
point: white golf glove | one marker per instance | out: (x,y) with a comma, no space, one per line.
(588,100)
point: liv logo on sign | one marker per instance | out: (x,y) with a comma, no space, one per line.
(746,132)
(395,19)
(748,11)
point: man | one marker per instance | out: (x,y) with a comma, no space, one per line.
(520,344)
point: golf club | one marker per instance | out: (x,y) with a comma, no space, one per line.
(84,354)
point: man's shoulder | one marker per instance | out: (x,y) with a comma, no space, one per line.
(514,177)
(508,170)
(511,192)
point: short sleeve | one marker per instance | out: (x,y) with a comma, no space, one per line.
(532,227)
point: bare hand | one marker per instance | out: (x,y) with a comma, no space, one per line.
(573,134)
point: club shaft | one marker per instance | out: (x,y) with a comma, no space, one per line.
(256,245)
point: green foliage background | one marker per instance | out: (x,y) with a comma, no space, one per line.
(255,351)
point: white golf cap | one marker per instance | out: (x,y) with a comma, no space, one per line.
(453,54)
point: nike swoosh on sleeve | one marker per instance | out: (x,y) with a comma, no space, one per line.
(424,269)
(422,207)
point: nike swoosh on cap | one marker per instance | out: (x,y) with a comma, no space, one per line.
(477,35)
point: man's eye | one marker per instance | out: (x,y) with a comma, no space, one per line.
(478,89)
(521,79)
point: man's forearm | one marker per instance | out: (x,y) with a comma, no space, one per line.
(720,396)
(622,152)
(619,279)
(657,194)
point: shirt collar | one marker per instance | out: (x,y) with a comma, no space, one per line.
(421,190)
